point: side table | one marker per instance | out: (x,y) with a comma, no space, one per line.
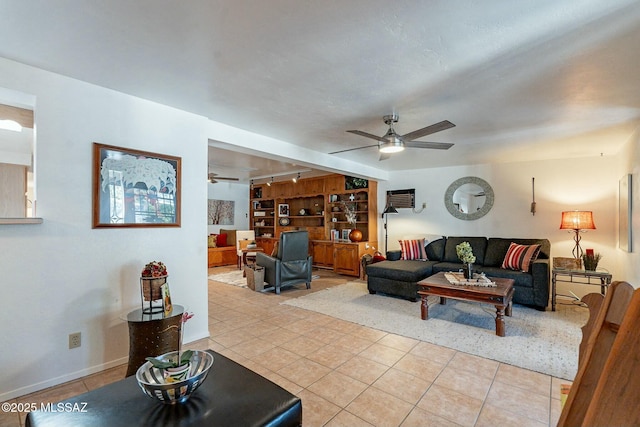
(583,277)
(152,335)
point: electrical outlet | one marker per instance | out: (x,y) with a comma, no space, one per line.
(75,340)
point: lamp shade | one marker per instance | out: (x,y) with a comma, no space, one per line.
(390,210)
(577,220)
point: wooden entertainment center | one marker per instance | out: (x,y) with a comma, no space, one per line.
(318,205)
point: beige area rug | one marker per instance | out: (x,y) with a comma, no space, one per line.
(235,278)
(545,342)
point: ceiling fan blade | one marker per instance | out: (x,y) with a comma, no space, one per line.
(434,145)
(352,149)
(443,125)
(384,156)
(368,135)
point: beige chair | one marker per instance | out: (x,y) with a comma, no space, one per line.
(243,238)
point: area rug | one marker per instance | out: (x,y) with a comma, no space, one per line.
(230,278)
(545,342)
(235,278)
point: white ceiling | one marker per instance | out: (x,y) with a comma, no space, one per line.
(522,80)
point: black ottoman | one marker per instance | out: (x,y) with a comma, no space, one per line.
(399,278)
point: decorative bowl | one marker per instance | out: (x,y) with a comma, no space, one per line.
(152,380)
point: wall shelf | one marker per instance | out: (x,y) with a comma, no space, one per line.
(21,220)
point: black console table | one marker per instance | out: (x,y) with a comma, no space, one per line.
(232,395)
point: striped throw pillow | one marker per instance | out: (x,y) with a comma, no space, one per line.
(519,257)
(413,249)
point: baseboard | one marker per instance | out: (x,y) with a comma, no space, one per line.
(32,388)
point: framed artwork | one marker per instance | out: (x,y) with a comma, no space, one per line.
(353,183)
(133,188)
(345,233)
(220,212)
(624,214)
(283,209)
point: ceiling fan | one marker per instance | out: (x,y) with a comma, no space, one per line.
(213,178)
(391,142)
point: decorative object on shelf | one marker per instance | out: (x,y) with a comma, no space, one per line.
(283,209)
(577,221)
(465,254)
(133,188)
(153,280)
(152,382)
(284,221)
(335,209)
(350,215)
(590,260)
(353,183)
(389,210)
(355,235)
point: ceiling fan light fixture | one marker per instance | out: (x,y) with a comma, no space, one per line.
(393,146)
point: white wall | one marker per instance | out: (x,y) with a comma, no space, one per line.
(583,184)
(62,276)
(237,192)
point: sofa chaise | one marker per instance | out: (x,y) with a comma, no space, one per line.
(399,277)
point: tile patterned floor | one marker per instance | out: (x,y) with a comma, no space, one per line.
(350,375)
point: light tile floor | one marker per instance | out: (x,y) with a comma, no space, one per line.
(351,375)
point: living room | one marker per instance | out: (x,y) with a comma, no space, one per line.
(63,276)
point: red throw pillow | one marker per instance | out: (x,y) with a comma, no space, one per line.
(221,240)
(377,257)
(413,249)
(519,257)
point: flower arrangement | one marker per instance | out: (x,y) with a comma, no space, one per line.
(154,269)
(465,253)
(350,213)
(183,358)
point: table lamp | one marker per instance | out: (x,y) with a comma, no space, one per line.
(577,221)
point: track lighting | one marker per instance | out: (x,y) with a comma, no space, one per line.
(269,183)
(296,178)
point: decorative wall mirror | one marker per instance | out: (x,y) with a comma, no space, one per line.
(469,198)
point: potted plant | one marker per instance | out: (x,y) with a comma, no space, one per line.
(590,260)
(177,368)
(465,254)
(152,278)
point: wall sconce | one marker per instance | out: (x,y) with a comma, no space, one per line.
(577,221)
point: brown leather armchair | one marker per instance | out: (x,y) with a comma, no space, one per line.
(291,265)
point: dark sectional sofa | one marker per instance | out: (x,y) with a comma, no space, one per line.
(400,277)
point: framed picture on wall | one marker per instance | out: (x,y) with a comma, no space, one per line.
(283,209)
(134,188)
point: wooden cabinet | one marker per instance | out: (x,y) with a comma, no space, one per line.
(361,203)
(318,205)
(267,244)
(346,256)
(322,252)
(263,217)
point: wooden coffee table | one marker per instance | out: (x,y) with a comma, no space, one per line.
(499,296)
